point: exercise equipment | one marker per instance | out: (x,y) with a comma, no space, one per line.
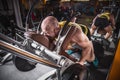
(62,63)
(5,57)
(41,52)
(75,72)
(23,64)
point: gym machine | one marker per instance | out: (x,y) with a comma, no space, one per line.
(32,51)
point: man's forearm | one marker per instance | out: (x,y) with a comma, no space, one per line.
(108,35)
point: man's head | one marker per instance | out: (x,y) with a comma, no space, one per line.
(103,25)
(104,30)
(50,27)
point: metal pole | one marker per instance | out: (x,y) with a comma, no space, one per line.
(26,55)
(17,13)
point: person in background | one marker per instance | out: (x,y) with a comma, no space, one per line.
(104,23)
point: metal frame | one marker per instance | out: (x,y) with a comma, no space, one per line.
(61,65)
(17,13)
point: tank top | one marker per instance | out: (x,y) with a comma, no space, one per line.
(105,15)
(79,26)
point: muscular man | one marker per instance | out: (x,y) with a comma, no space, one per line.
(50,27)
(104,23)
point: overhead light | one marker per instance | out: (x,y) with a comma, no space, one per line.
(65,1)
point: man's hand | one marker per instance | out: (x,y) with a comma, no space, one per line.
(105,42)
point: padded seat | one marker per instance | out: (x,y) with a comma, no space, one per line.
(42,39)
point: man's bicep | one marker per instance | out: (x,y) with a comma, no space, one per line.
(112,19)
(82,40)
(92,29)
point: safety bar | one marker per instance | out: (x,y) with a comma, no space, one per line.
(10,40)
(26,54)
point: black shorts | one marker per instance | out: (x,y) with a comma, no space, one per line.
(101,22)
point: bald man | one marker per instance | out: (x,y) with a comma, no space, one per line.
(50,27)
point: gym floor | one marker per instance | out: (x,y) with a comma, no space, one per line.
(8,71)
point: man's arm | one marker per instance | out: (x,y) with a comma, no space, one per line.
(87,47)
(108,34)
(93,27)
(112,20)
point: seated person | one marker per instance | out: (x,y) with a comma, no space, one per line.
(50,27)
(104,23)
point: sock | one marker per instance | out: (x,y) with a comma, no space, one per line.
(95,62)
(69,52)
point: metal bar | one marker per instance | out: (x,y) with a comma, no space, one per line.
(53,55)
(118,12)
(10,40)
(26,54)
(6,57)
(17,13)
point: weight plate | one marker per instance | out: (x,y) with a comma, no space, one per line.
(22,64)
